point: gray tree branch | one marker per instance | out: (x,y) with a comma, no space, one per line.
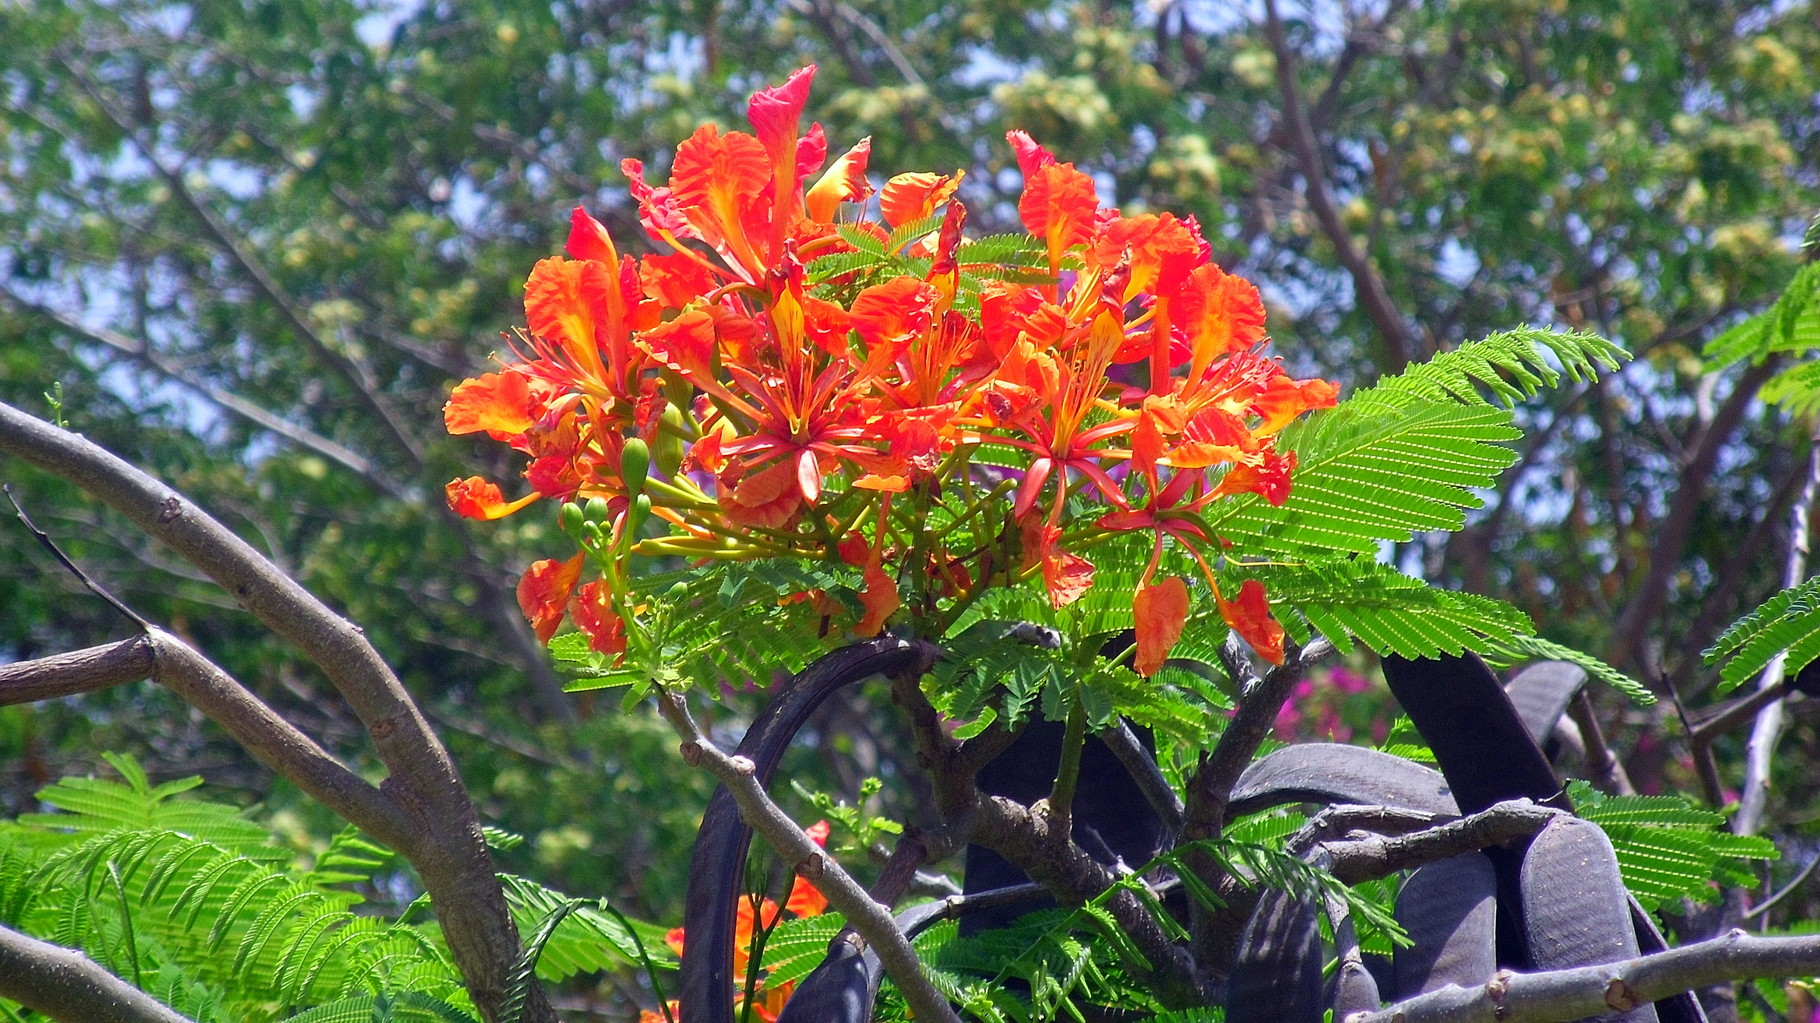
(66,985)
(1593,991)
(445,844)
(871,920)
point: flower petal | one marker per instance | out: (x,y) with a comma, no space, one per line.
(544,592)
(1161,611)
(1249,616)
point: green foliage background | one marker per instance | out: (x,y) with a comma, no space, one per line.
(174,177)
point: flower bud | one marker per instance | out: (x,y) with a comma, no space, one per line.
(635,465)
(598,510)
(570,519)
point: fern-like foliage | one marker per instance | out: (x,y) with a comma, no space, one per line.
(1385,609)
(204,909)
(734,623)
(1792,324)
(1787,624)
(1406,454)
(1519,649)
(1668,849)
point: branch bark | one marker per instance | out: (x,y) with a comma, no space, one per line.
(1370,857)
(872,921)
(79,671)
(1399,341)
(444,842)
(66,985)
(1594,991)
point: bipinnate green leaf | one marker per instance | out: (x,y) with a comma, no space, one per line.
(1407,454)
(1386,610)
(1787,623)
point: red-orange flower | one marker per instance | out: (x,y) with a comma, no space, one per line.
(1249,616)
(476,498)
(543,593)
(1161,611)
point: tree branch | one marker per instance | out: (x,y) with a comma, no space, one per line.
(66,985)
(445,844)
(1369,857)
(1593,991)
(1399,342)
(872,921)
(79,671)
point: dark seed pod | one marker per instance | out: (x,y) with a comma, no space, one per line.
(1483,747)
(1319,772)
(1540,693)
(717,865)
(1450,910)
(840,990)
(1276,975)
(1575,909)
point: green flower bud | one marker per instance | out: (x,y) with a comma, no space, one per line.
(570,519)
(598,511)
(635,465)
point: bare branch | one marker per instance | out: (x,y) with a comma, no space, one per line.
(1123,743)
(871,920)
(66,985)
(278,744)
(80,671)
(1399,342)
(1369,857)
(1593,991)
(227,400)
(445,843)
(336,362)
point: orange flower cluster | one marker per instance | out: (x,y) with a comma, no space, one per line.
(756,405)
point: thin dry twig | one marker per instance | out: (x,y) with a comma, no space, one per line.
(872,921)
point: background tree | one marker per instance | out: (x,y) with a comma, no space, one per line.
(255,243)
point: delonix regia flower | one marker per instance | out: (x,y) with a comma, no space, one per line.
(814,370)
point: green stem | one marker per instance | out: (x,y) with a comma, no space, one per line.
(1067,776)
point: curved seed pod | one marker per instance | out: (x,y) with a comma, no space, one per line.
(1450,910)
(840,990)
(1276,975)
(1540,693)
(717,866)
(1356,990)
(1321,772)
(1481,744)
(1575,909)
(1354,987)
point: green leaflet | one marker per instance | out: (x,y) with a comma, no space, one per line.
(1405,455)
(1667,848)
(1788,622)
(213,916)
(1383,608)
(1522,648)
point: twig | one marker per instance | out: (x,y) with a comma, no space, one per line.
(1593,991)
(1761,748)
(79,671)
(1763,907)
(871,920)
(1370,857)
(66,985)
(1607,771)
(69,563)
(1399,343)
(1123,743)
